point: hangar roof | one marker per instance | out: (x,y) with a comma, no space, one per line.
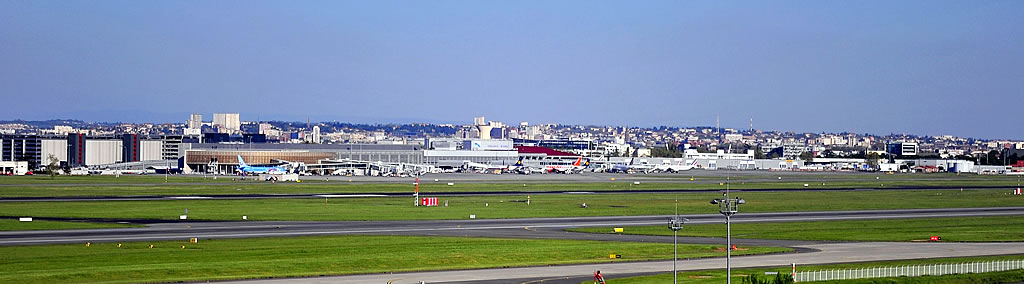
(542,150)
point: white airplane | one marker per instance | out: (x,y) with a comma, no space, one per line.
(567,168)
(677,167)
(483,168)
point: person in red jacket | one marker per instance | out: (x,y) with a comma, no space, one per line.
(598,278)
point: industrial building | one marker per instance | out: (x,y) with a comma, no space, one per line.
(79,150)
(13,168)
(223,158)
(560,144)
(33,149)
(902,149)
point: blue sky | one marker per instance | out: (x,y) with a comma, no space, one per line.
(919,67)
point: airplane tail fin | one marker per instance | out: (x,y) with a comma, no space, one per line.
(586,164)
(520,162)
(241,163)
(579,161)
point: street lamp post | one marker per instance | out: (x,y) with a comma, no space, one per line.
(675,224)
(728,206)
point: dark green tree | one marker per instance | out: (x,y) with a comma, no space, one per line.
(872,160)
(807,156)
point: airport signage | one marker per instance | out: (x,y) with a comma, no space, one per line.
(428,201)
(488,145)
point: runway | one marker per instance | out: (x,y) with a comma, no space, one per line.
(472,193)
(513,228)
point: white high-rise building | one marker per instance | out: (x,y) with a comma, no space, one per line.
(316,135)
(227,121)
(479,121)
(195,121)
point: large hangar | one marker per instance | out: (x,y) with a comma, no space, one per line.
(223,158)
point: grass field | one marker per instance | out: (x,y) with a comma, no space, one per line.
(506,206)
(310,256)
(37,186)
(98,179)
(718,276)
(966,229)
(15,225)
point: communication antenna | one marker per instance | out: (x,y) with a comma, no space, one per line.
(718,127)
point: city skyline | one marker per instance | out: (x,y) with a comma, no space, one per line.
(209,121)
(915,67)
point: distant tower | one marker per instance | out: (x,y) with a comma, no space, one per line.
(751,125)
(718,128)
(479,121)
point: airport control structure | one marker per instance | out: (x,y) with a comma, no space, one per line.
(193,154)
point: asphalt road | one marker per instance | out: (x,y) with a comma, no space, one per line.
(473,193)
(515,228)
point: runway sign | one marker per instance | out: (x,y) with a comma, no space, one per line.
(429,201)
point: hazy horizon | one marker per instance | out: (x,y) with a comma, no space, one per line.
(915,67)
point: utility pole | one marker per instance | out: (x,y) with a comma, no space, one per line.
(675,224)
(718,128)
(728,207)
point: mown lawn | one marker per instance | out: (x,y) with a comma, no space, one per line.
(226,259)
(15,225)
(961,229)
(37,186)
(505,206)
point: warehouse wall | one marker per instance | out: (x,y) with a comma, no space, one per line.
(151,150)
(99,152)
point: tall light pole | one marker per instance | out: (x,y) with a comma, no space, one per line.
(728,206)
(675,224)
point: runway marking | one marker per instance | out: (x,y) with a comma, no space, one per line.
(116,236)
(350,195)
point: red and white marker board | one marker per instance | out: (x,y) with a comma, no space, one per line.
(429,201)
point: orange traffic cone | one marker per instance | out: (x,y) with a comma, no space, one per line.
(733,247)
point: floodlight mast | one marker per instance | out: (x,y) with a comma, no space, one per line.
(675,224)
(728,207)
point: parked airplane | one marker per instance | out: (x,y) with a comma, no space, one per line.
(483,168)
(630,168)
(520,168)
(245,169)
(677,167)
(563,167)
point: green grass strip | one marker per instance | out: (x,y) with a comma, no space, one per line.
(311,256)
(505,206)
(15,225)
(36,186)
(962,229)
